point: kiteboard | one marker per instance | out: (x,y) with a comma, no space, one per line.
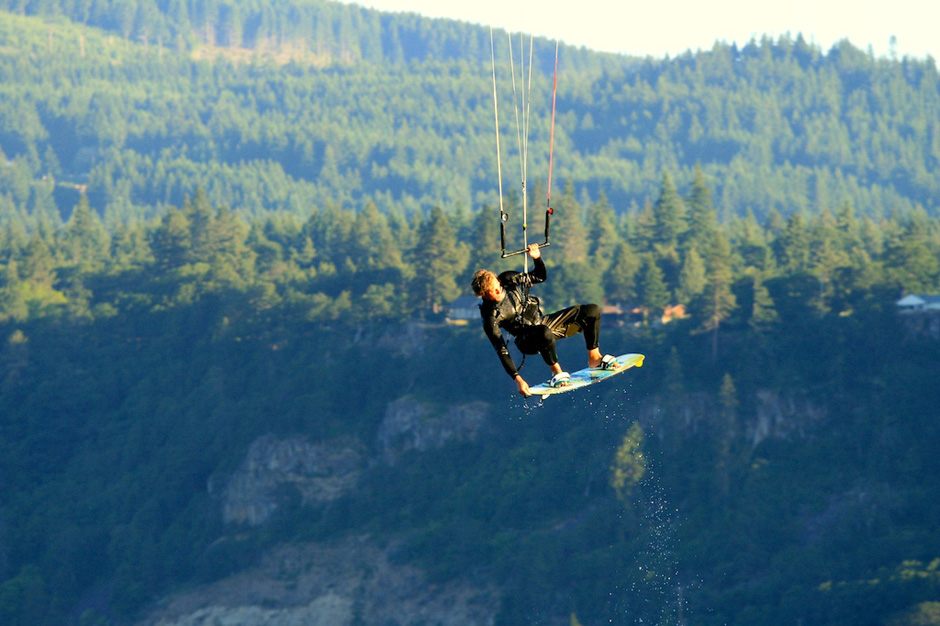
(589,376)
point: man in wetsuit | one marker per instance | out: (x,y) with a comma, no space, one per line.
(508,305)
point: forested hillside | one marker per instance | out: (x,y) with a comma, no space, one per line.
(213,215)
(777,124)
(775,457)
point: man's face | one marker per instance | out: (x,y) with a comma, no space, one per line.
(494,292)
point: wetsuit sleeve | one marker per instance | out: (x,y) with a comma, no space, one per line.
(538,273)
(491,328)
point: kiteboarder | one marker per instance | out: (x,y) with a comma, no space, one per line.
(508,305)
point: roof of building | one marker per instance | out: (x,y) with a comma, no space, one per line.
(927,301)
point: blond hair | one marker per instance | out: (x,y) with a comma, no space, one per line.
(482,281)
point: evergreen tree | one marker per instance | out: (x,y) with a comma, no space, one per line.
(751,245)
(570,235)
(602,233)
(130,248)
(792,247)
(669,215)
(84,239)
(439,259)
(692,277)
(718,300)
(651,290)
(629,465)
(484,238)
(231,261)
(573,283)
(171,241)
(620,280)
(12,302)
(200,215)
(911,262)
(702,217)
(371,241)
(725,433)
(38,263)
(644,230)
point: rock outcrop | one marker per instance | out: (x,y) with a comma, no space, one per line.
(782,417)
(351,581)
(276,469)
(413,425)
(771,416)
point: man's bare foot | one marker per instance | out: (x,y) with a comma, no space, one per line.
(594,358)
(606,362)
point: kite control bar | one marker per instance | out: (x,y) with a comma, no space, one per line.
(502,233)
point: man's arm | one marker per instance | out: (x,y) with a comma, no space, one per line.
(491,329)
(506,359)
(538,273)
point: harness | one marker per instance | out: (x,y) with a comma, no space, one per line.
(528,304)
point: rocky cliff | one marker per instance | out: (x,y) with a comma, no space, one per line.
(274,469)
(354,579)
(350,581)
(769,415)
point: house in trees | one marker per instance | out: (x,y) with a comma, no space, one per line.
(919,303)
(463,310)
(921,314)
(614,315)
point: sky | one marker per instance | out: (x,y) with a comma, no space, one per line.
(660,27)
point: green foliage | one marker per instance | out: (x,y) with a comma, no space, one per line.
(250,231)
(629,464)
(394,111)
(119,412)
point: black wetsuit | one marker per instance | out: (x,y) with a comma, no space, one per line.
(521,316)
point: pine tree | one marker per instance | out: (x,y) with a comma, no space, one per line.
(718,301)
(669,215)
(84,239)
(725,432)
(484,238)
(171,241)
(702,217)
(792,247)
(37,263)
(692,277)
(652,291)
(629,464)
(602,233)
(570,234)
(371,240)
(232,262)
(439,259)
(752,245)
(620,279)
(130,248)
(643,229)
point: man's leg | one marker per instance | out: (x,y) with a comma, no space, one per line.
(576,319)
(539,340)
(584,318)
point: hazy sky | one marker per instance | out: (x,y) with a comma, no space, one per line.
(660,27)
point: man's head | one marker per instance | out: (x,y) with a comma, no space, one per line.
(486,285)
